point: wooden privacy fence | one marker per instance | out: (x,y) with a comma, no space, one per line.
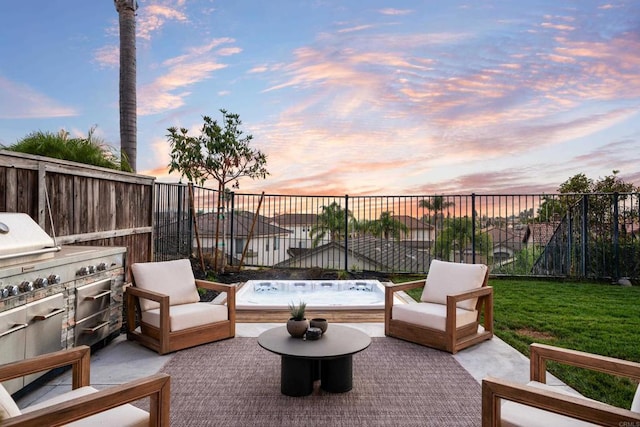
(87,205)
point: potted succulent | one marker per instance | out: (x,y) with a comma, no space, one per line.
(297,324)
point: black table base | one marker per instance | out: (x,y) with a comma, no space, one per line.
(336,375)
(298,374)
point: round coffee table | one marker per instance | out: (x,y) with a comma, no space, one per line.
(329,358)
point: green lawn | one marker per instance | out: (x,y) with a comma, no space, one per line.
(597,318)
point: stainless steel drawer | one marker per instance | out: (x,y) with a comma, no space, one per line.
(92,298)
(44,334)
(13,329)
(92,329)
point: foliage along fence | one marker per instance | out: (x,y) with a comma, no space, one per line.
(561,235)
(80,204)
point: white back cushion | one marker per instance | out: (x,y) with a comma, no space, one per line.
(449,278)
(8,407)
(173,278)
(635,404)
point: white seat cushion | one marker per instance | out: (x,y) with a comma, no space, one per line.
(8,407)
(635,404)
(186,316)
(515,414)
(431,315)
(125,415)
(173,278)
(450,278)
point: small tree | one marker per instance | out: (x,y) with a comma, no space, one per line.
(385,226)
(331,221)
(437,205)
(221,152)
(457,235)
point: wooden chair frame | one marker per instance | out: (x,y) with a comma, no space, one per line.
(452,339)
(156,387)
(493,389)
(162,339)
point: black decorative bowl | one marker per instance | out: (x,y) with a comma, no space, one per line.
(313,333)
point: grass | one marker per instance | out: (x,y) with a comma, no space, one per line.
(596,318)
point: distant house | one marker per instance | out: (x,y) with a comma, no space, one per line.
(362,253)
(466,257)
(418,230)
(265,240)
(300,226)
(506,242)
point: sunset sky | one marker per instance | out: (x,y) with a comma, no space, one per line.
(347,96)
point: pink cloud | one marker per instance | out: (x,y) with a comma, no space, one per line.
(258,69)
(107,56)
(169,90)
(356,28)
(395,12)
(153,17)
(20,101)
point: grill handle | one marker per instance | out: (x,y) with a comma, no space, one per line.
(49,315)
(98,296)
(15,328)
(95,328)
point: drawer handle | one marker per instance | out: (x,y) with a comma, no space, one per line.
(15,328)
(49,315)
(98,296)
(95,328)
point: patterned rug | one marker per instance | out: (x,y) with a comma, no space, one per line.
(395,383)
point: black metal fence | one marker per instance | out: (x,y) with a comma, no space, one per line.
(560,235)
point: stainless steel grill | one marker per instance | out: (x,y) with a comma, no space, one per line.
(54,297)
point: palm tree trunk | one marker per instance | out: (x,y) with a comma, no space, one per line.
(128,104)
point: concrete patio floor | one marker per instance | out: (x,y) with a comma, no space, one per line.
(121,361)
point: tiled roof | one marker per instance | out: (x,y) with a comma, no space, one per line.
(412,223)
(390,255)
(242,222)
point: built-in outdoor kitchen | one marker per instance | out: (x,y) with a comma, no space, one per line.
(54,296)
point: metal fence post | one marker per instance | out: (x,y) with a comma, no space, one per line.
(616,238)
(231,228)
(346,232)
(569,259)
(585,234)
(179,217)
(473,228)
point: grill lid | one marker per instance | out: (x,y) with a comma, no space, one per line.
(21,236)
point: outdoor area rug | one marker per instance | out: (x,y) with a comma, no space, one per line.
(395,383)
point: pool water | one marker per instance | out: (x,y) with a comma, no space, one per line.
(334,294)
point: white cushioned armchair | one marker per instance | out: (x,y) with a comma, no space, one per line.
(505,403)
(448,314)
(165,297)
(84,405)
